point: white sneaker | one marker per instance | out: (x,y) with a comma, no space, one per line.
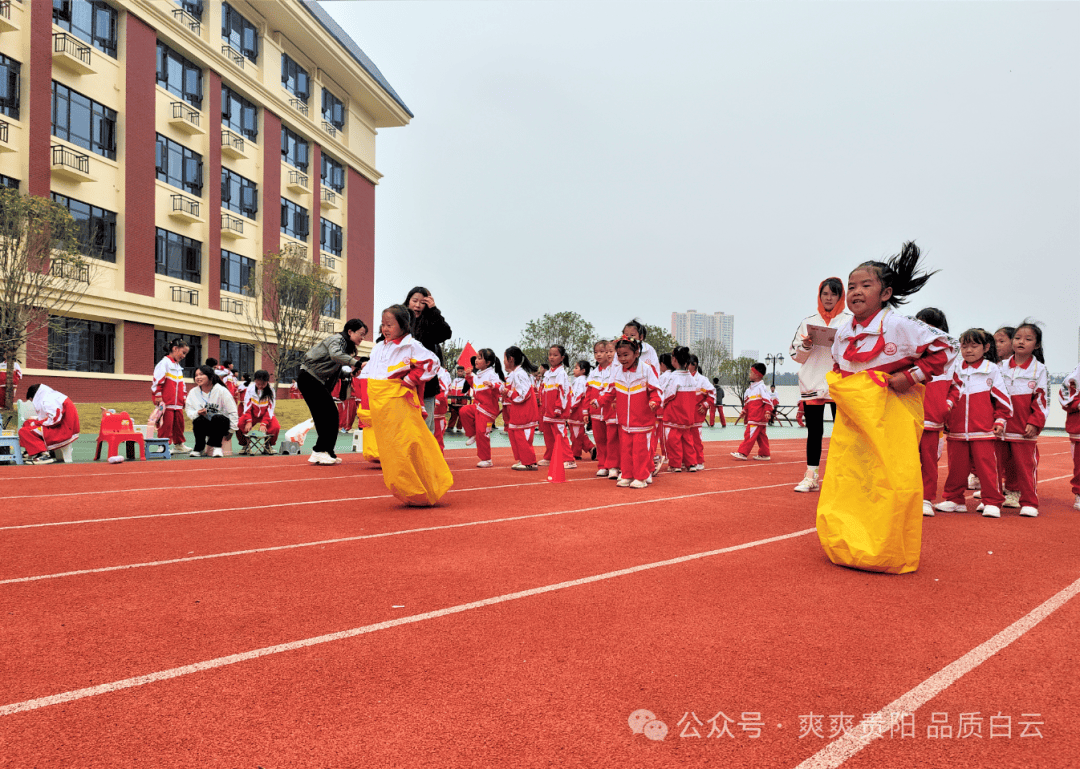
(195,454)
(737,455)
(470,441)
(485,463)
(1029,512)
(977,494)
(183,448)
(337,460)
(700,465)
(991,511)
(973,481)
(675,469)
(1076,504)
(614,473)
(648,481)
(637,484)
(624,482)
(601,473)
(927,507)
(41,459)
(1012,499)
(692,469)
(544,462)
(949,507)
(321,458)
(569,465)
(762,459)
(810,483)
(217,453)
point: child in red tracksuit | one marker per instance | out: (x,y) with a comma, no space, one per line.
(609,415)
(478,418)
(520,411)
(978,408)
(575,418)
(594,386)
(758,407)
(1027,383)
(442,406)
(635,394)
(680,404)
(1069,397)
(555,400)
(935,409)
(169,390)
(258,409)
(706,397)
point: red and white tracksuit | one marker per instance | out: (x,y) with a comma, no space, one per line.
(458,388)
(758,406)
(168,387)
(478,418)
(977,403)
(555,405)
(575,418)
(681,398)
(56,426)
(1069,397)
(611,419)
(935,410)
(631,392)
(1028,388)
(706,398)
(593,388)
(520,414)
(258,409)
(16,378)
(442,405)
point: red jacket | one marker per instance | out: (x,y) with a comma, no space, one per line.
(977,401)
(758,404)
(631,393)
(1027,387)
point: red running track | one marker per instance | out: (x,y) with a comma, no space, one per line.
(313,622)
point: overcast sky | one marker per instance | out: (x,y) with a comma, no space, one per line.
(626,159)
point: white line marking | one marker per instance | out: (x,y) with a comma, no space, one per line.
(836,753)
(161,488)
(379,535)
(232,659)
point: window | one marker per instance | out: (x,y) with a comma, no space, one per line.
(179,166)
(177,256)
(194,357)
(239,114)
(236,272)
(333,304)
(330,238)
(239,194)
(333,111)
(294,78)
(294,220)
(9,87)
(333,173)
(81,345)
(97,227)
(193,7)
(89,20)
(241,355)
(83,122)
(179,76)
(239,32)
(9,182)
(294,150)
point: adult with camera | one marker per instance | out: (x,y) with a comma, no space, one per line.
(212,410)
(320,371)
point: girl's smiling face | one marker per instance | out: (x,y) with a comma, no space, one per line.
(865,296)
(1003,342)
(627,356)
(631,333)
(973,352)
(389,327)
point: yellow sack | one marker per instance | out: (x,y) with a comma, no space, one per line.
(869,513)
(363,417)
(413,466)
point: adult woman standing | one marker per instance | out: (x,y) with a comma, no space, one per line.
(817,360)
(319,372)
(212,410)
(430,329)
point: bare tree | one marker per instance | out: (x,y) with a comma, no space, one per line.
(735,373)
(451,352)
(289,294)
(711,355)
(42,273)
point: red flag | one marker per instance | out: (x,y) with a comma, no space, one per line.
(465,359)
(556,471)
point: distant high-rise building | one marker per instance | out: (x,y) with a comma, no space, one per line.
(749,354)
(693,326)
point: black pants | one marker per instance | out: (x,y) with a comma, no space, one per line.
(210,432)
(815,429)
(323,411)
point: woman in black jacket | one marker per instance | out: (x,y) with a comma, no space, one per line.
(319,371)
(431,330)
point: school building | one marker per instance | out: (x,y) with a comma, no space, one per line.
(128,112)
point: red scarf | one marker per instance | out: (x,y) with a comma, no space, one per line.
(852,352)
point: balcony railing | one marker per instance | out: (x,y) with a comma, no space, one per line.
(185,295)
(185,19)
(329,127)
(299,105)
(329,197)
(234,306)
(327,327)
(185,207)
(298,180)
(231,53)
(232,143)
(72,52)
(70,271)
(186,118)
(3,131)
(294,249)
(5,9)
(231,226)
(329,262)
(72,163)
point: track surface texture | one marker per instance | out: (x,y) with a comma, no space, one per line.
(262,612)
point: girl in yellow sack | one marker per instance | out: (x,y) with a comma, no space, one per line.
(413,466)
(363,418)
(870,511)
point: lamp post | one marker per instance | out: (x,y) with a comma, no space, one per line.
(774,359)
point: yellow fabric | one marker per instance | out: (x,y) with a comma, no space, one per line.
(869,514)
(371,443)
(413,466)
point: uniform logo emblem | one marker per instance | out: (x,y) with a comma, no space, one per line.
(1031,385)
(890,349)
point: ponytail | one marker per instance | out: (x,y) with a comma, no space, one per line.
(681,356)
(901,273)
(492,360)
(521,360)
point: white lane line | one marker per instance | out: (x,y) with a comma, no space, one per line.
(315,502)
(163,488)
(232,659)
(880,723)
(380,535)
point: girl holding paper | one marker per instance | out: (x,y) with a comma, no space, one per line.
(817,360)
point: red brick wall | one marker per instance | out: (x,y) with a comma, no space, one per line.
(213,347)
(140,357)
(92,390)
(37,347)
(140,142)
(316,201)
(213,181)
(271,204)
(360,245)
(39,98)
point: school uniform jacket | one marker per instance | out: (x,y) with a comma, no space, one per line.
(892,343)
(758,404)
(815,361)
(608,412)
(555,395)
(168,383)
(404,359)
(632,390)
(977,402)
(577,400)
(49,405)
(681,397)
(1069,397)
(486,387)
(706,397)
(1028,387)
(442,404)
(936,397)
(594,385)
(650,358)
(519,399)
(258,404)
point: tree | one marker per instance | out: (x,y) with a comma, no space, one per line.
(711,355)
(567,329)
(735,373)
(451,352)
(42,273)
(289,295)
(660,338)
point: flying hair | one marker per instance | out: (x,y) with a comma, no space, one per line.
(901,273)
